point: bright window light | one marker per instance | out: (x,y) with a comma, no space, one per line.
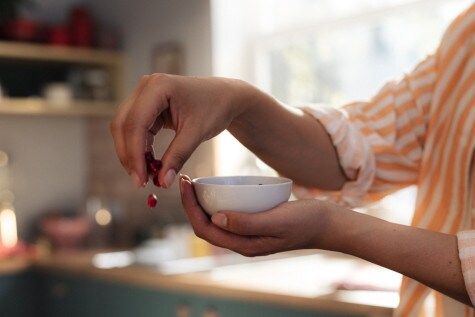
(325,51)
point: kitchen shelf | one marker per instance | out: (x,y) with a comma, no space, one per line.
(38,52)
(41,107)
(30,55)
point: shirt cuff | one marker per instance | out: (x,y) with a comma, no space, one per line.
(353,150)
(466,245)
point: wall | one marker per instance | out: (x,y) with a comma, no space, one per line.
(47,155)
(47,158)
(144,25)
(58,162)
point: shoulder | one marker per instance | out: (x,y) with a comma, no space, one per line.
(460,34)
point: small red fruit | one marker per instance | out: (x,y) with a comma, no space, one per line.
(149,158)
(156,182)
(152,201)
(153,165)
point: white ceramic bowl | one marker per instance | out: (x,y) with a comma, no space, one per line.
(241,193)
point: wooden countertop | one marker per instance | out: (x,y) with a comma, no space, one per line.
(240,287)
(288,285)
(14,265)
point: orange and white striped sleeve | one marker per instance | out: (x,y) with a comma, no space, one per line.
(466,245)
(379,143)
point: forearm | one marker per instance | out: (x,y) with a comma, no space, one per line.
(287,139)
(426,256)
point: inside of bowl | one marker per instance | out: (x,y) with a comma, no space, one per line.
(242,180)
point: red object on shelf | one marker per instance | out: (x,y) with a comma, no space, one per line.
(58,35)
(81,27)
(65,233)
(22,29)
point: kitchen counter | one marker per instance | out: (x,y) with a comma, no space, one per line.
(289,280)
(14,265)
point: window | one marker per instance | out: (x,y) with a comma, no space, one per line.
(307,51)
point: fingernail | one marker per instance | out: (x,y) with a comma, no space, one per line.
(169,178)
(182,181)
(183,176)
(220,220)
(136,180)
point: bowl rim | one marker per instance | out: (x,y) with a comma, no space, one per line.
(284,181)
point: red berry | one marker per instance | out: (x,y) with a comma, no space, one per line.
(152,201)
(156,182)
(155,166)
(149,158)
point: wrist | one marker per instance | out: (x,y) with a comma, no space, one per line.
(342,229)
(250,105)
(326,225)
(242,95)
(361,235)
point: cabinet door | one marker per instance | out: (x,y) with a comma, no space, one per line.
(18,295)
(84,297)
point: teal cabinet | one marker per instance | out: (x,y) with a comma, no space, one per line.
(84,297)
(67,296)
(39,294)
(18,295)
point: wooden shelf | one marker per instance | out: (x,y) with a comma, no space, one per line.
(38,52)
(110,61)
(41,107)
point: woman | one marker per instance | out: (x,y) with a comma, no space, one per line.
(418,130)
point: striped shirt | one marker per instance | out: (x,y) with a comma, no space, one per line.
(419,130)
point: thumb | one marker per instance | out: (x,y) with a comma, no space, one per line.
(178,152)
(248,224)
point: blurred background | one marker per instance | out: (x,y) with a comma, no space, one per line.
(66,204)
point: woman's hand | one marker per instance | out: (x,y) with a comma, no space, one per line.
(196,108)
(293,225)
(199,108)
(313,224)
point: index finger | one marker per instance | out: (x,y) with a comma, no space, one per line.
(140,119)
(116,126)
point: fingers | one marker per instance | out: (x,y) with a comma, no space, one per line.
(116,126)
(167,101)
(192,208)
(140,120)
(267,223)
(205,229)
(178,152)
